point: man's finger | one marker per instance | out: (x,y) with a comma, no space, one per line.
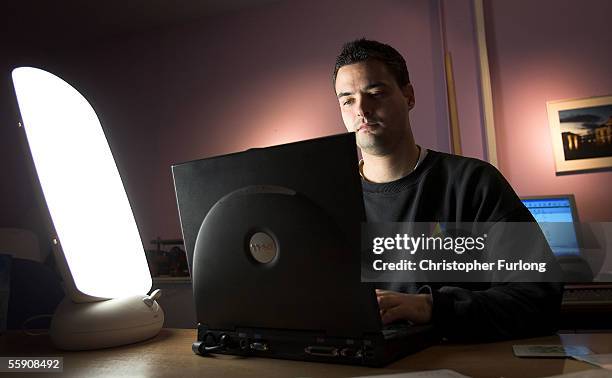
(388,301)
(380,293)
(393,314)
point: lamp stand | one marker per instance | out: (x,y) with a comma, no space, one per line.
(107,323)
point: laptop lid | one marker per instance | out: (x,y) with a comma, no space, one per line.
(272,238)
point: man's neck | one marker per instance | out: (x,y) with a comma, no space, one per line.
(391,167)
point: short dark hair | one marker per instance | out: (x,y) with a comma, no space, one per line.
(363,49)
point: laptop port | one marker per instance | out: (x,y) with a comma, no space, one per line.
(259,346)
(368,352)
(350,352)
(244,344)
(321,350)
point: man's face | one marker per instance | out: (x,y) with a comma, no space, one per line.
(374,106)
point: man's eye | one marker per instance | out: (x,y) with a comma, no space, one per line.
(348,102)
(377,94)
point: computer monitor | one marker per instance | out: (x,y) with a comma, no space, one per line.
(557,217)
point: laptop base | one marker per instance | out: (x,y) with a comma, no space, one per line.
(371,350)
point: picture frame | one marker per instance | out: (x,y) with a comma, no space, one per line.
(581,134)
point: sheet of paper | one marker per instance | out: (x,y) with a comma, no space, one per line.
(591,373)
(550,350)
(601,360)
(442,373)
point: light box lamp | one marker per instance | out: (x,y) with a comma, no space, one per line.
(94,234)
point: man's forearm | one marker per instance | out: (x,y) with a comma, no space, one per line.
(501,312)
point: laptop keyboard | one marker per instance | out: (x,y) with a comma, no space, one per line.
(588,296)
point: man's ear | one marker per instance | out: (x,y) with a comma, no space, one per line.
(408,93)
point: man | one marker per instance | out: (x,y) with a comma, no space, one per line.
(403,182)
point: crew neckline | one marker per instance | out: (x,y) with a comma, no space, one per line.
(425,160)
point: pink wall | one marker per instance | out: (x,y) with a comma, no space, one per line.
(263,77)
(243,79)
(542,51)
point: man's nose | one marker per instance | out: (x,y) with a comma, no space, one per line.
(364,107)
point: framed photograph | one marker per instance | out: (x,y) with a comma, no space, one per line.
(581,132)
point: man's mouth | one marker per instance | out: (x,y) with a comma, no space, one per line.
(367,127)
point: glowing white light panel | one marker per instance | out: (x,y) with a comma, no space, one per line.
(82,187)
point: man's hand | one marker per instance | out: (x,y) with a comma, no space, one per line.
(398,306)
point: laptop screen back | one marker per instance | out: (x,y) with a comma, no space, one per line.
(272,238)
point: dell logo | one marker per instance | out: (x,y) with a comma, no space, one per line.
(262,247)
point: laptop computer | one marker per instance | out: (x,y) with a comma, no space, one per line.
(273,246)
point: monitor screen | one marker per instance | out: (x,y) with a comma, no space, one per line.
(556,216)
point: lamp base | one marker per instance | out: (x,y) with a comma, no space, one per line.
(103,324)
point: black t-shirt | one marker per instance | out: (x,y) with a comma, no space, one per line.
(449,188)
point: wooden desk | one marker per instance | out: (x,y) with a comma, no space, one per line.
(169,355)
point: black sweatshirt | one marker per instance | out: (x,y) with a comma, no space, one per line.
(449,188)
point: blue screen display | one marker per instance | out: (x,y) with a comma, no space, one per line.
(555,217)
